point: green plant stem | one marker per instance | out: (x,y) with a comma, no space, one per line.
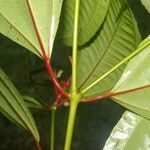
(52,138)
(75,47)
(75,97)
(72,114)
(140,48)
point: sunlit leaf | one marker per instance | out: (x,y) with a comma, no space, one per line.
(136,74)
(116,40)
(132,132)
(91,17)
(13,106)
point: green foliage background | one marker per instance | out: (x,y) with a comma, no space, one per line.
(94,121)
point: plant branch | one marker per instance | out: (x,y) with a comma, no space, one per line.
(60,96)
(45,57)
(109,95)
(52,139)
(71,121)
(142,46)
(75,47)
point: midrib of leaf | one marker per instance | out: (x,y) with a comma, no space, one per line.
(107,49)
(136,68)
(22,35)
(1,80)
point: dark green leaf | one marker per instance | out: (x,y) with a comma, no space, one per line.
(13,106)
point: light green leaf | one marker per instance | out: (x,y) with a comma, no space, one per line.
(117,39)
(16,23)
(146,3)
(132,132)
(92,14)
(31,102)
(13,106)
(136,74)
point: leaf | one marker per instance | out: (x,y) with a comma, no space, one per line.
(132,132)
(16,23)
(13,106)
(146,3)
(115,41)
(136,74)
(92,14)
(31,102)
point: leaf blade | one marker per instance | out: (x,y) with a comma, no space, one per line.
(117,39)
(90,20)
(136,74)
(125,134)
(12,104)
(46,15)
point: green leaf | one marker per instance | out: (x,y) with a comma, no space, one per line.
(115,41)
(146,3)
(132,132)
(92,14)
(31,102)
(136,74)
(13,106)
(16,23)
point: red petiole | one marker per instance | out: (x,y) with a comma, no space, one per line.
(109,95)
(46,59)
(60,96)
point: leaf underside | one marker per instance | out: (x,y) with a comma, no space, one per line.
(16,23)
(91,17)
(115,41)
(13,106)
(132,132)
(136,74)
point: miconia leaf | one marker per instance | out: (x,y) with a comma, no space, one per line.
(136,74)
(132,132)
(117,39)
(13,106)
(16,22)
(91,17)
(146,3)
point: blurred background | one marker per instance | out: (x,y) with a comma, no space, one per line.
(94,121)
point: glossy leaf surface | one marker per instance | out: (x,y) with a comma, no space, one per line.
(16,22)
(13,106)
(116,40)
(92,14)
(136,74)
(132,132)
